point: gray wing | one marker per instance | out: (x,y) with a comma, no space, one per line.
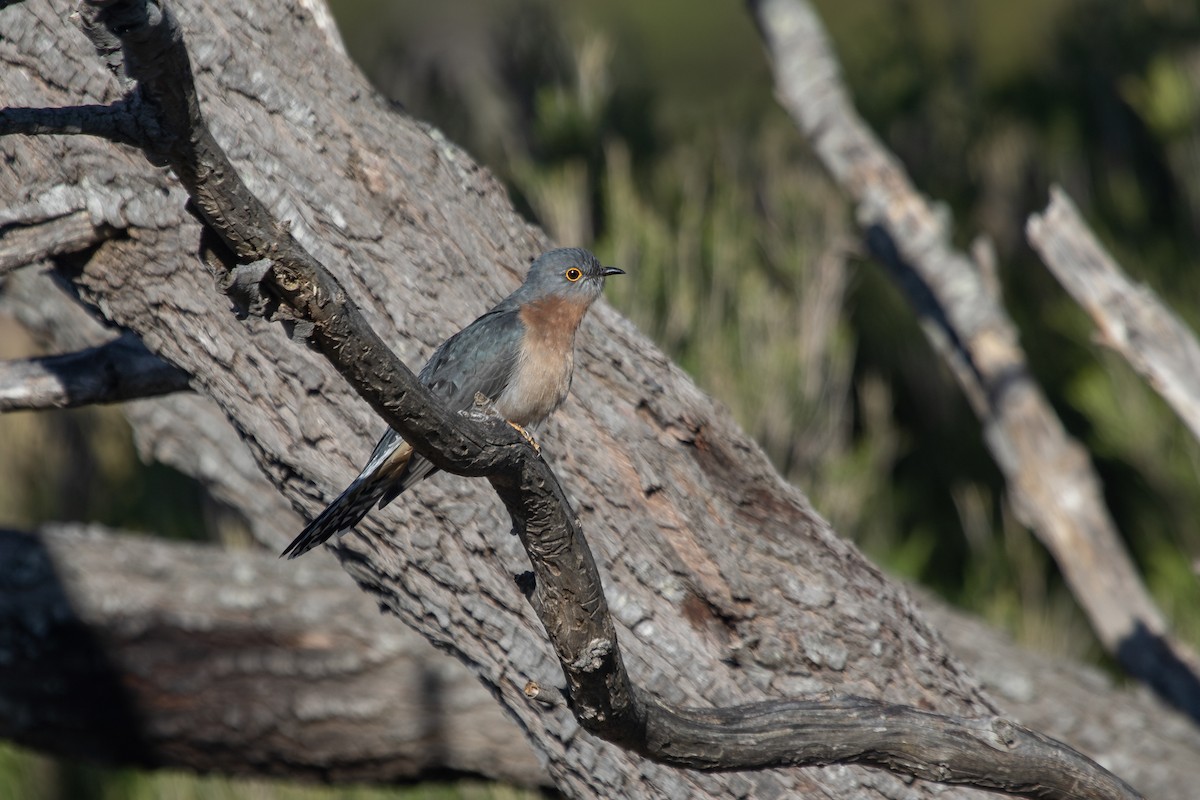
(479,358)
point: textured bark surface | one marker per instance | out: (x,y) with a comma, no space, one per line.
(1128,730)
(725,585)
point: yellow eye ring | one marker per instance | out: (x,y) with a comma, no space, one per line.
(573,274)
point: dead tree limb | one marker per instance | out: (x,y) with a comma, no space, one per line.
(1130,318)
(110,373)
(566,590)
(52,235)
(1053,485)
(147,652)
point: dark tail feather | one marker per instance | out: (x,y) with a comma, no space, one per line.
(418,470)
(343,513)
(384,476)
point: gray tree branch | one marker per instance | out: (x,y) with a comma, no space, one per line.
(110,373)
(21,244)
(1130,318)
(1053,485)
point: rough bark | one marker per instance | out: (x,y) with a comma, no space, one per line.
(332,679)
(711,588)
(1054,487)
(1130,731)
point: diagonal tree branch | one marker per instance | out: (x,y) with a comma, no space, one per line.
(1131,319)
(566,591)
(1127,729)
(1055,489)
(122,369)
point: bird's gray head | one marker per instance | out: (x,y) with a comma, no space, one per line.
(571,273)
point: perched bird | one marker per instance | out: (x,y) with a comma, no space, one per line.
(520,355)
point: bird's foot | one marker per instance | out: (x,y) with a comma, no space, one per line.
(537,448)
(485,408)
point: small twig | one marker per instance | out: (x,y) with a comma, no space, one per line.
(1131,318)
(115,122)
(1054,487)
(122,369)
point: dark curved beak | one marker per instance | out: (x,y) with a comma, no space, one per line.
(611,271)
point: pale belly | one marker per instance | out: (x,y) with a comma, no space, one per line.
(543,381)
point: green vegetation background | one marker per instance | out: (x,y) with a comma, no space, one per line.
(648,131)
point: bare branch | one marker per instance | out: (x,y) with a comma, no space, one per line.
(1054,486)
(1131,319)
(114,122)
(122,369)
(566,590)
(134,650)
(24,244)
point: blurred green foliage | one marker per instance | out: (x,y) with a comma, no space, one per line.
(648,131)
(25,776)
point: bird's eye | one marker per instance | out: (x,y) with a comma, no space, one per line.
(573,274)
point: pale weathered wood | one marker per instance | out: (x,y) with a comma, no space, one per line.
(53,236)
(1053,485)
(1130,318)
(725,569)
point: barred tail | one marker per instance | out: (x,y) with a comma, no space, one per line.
(376,481)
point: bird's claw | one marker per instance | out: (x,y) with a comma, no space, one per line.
(485,408)
(537,448)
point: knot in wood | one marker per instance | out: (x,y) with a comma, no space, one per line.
(593,655)
(1005,732)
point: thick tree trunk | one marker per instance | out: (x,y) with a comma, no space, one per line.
(725,585)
